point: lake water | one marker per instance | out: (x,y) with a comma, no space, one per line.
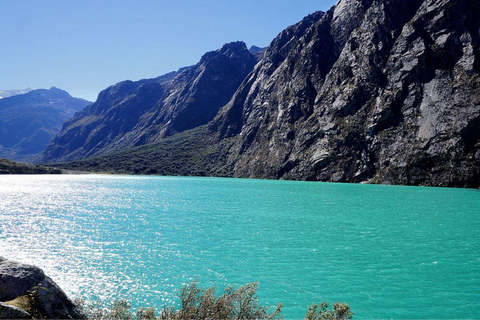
(388,251)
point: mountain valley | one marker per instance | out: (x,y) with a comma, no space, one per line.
(382,91)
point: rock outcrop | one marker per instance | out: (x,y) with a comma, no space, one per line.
(130,113)
(11,312)
(26,285)
(30,120)
(385,91)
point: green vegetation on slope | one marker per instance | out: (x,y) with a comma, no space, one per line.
(200,304)
(190,153)
(11,167)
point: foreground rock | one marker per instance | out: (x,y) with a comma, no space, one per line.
(12,312)
(25,290)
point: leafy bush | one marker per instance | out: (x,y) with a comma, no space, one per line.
(199,304)
(241,303)
(341,311)
(120,310)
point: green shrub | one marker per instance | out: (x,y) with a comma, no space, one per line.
(341,311)
(145,314)
(241,303)
(199,304)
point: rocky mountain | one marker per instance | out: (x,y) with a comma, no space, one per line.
(9,93)
(384,91)
(29,121)
(130,113)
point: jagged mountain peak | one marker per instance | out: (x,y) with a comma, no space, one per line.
(134,113)
(52,93)
(232,50)
(233,47)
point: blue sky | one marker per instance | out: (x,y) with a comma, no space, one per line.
(86,45)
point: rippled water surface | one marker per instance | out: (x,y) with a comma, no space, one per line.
(389,252)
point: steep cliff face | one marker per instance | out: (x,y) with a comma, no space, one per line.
(379,90)
(29,121)
(135,113)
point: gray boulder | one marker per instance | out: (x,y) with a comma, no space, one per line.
(11,312)
(16,279)
(49,300)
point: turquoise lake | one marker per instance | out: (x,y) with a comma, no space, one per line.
(388,251)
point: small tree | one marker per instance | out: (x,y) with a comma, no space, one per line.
(341,311)
(145,314)
(235,304)
(198,304)
(120,311)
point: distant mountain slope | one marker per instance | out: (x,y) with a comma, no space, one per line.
(129,113)
(29,121)
(257,52)
(9,93)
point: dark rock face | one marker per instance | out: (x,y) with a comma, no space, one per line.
(29,121)
(378,90)
(17,280)
(135,113)
(11,312)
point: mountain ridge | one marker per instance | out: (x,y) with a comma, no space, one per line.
(29,121)
(379,91)
(9,93)
(129,114)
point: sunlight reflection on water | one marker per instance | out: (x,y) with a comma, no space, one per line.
(387,251)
